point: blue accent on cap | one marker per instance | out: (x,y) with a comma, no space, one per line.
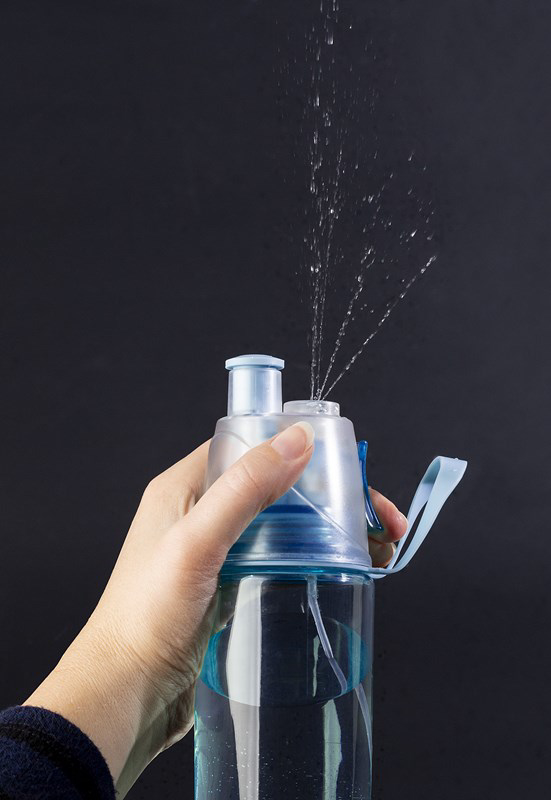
(373,521)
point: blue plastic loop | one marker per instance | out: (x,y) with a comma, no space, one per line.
(438,482)
(373,521)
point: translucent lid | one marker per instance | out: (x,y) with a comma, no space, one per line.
(320,522)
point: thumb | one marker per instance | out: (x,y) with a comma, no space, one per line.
(245,489)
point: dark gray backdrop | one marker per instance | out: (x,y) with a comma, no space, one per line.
(145,208)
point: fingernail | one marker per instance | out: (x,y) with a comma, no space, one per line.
(403,519)
(294,441)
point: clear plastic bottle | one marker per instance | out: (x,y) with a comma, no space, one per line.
(283,702)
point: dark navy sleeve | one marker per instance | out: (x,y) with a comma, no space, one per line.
(44,756)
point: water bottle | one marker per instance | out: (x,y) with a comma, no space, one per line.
(283,705)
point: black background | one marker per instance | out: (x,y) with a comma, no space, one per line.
(146,199)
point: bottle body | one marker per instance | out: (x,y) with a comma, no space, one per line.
(283,703)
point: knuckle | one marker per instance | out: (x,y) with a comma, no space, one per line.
(246,479)
(164,493)
(153,488)
(158,487)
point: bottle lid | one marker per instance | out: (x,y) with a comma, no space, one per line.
(320,522)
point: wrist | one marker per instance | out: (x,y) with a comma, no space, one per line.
(107,692)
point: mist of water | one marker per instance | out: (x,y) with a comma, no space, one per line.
(369,232)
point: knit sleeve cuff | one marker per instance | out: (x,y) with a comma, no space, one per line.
(44,755)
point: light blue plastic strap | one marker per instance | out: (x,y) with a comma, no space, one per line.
(437,484)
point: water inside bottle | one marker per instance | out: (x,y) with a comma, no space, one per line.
(304,737)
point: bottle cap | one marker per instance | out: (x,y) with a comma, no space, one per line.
(320,522)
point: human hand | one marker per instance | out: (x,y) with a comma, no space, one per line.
(128,679)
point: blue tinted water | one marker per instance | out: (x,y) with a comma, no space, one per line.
(306,738)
